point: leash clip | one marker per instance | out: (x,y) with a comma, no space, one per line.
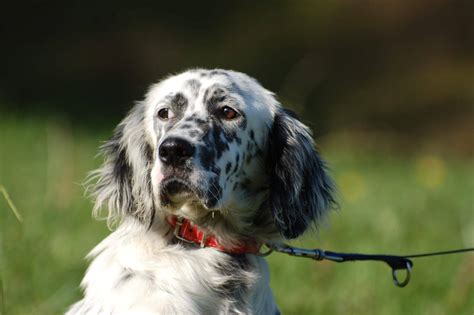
(403,283)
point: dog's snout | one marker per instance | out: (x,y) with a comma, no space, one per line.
(175,151)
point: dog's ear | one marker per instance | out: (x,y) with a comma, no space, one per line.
(301,190)
(122,182)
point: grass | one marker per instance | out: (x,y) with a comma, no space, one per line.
(400,204)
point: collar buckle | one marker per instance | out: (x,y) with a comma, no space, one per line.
(178,230)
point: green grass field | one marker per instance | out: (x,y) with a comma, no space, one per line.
(390,203)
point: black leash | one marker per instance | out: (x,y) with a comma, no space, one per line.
(395,262)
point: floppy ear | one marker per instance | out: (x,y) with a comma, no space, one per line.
(301,191)
(123,180)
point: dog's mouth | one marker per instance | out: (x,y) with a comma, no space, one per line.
(198,191)
(175,190)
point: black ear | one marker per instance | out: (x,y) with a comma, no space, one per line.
(301,191)
(122,182)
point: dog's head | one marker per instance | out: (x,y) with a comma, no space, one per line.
(215,147)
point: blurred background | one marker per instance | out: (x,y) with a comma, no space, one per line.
(387,87)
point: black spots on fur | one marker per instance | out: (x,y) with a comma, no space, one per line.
(168,127)
(190,118)
(209,73)
(207,158)
(236,185)
(253,141)
(243,123)
(251,152)
(213,96)
(121,168)
(185,126)
(197,122)
(238,140)
(194,85)
(229,135)
(234,271)
(218,95)
(205,96)
(215,72)
(180,101)
(236,88)
(119,175)
(169,97)
(207,153)
(236,168)
(214,193)
(193,133)
(200,121)
(202,73)
(218,72)
(178,104)
(126,276)
(148,153)
(122,173)
(220,144)
(245,94)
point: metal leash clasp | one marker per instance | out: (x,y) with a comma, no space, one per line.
(316,254)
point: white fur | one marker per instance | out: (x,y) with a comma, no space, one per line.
(167,279)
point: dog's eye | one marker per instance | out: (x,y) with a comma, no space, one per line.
(229,113)
(165,114)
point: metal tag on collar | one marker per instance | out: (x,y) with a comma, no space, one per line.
(203,240)
(177,227)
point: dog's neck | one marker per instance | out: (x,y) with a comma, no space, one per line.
(227,231)
(187,232)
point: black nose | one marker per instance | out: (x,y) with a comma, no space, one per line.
(175,151)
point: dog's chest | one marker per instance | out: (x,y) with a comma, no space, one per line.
(142,275)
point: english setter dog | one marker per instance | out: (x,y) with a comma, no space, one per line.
(198,176)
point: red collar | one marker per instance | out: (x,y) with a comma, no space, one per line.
(185,231)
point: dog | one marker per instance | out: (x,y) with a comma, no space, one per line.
(197,177)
